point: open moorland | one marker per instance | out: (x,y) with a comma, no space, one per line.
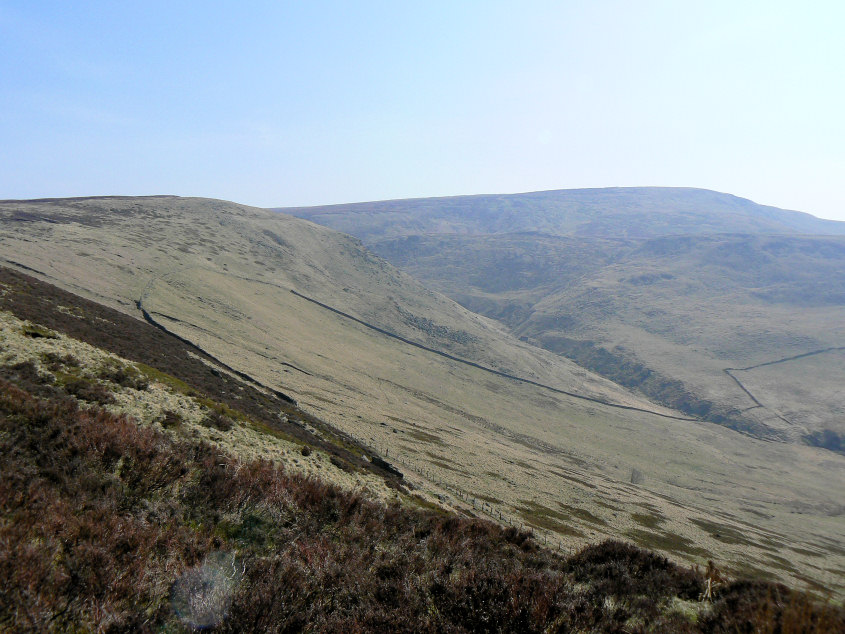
(475,419)
(683,295)
(178,496)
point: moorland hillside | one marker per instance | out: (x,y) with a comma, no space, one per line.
(704,302)
(179,496)
(473,417)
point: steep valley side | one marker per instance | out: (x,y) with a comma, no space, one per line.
(575,470)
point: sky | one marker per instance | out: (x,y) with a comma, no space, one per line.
(311,102)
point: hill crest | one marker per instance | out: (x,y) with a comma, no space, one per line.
(597,212)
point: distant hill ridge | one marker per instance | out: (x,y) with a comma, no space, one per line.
(606,212)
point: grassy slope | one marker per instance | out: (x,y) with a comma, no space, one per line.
(688,309)
(108,525)
(644,286)
(667,314)
(191,371)
(151,250)
(220,275)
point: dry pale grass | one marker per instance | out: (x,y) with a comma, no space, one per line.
(482,442)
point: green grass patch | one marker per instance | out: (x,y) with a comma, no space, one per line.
(167,379)
(749,571)
(607,505)
(540,516)
(38,332)
(222,409)
(582,514)
(669,542)
(448,466)
(65,376)
(781,563)
(578,481)
(649,520)
(523,464)
(340,442)
(804,551)
(248,529)
(425,505)
(264,428)
(723,533)
(181,387)
(125,375)
(54,361)
(773,545)
(488,498)
(423,436)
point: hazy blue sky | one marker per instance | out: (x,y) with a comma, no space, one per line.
(291,103)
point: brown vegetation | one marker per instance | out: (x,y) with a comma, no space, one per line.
(107,525)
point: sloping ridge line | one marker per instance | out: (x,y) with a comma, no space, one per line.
(472,364)
(242,375)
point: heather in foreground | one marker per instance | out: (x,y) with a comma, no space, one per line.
(110,526)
